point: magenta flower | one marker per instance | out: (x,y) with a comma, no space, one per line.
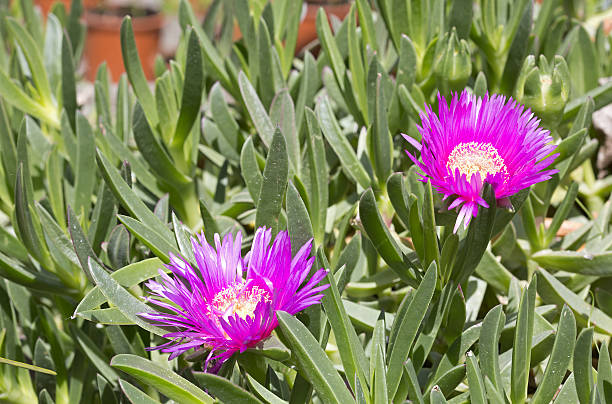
(480,140)
(214,306)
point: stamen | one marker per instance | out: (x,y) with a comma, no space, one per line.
(238,299)
(476,157)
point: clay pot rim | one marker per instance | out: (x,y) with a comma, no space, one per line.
(109,22)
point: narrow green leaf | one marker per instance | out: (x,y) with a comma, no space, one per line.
(282,114)
(341,146)
(192,92)
(312,361)
(582,364)
(126,302)
(127,277)
(161,379)
(159,245)
(521,353)
(128,198)
(273,185)
(381,238)
(350,349)
(551,290)
(85,171)
(318,193)
(69,99)
(257,112)
(225,390)
(135,395)
(409,327)
(475,381)
(33,55)
(330,46)
(490,333)
(298,221)
(250,169)
(133,67)
(152,150)
(560,358)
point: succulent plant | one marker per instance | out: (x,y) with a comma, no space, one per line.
(115,282)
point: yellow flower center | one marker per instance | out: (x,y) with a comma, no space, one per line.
(476,157)
(237,299)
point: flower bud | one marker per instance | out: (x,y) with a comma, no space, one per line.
(453,65)
(544,88)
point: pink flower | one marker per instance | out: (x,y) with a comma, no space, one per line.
(215,306)
(481,140)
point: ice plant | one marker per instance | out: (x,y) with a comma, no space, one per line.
(478,140)
(216,307)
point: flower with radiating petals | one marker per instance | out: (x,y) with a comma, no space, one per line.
(212,305)
(478,140)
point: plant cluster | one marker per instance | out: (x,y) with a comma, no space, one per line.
(249,229)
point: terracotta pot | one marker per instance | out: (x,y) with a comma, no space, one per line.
(307,31)
(308,26)
(45,5)
(103,43)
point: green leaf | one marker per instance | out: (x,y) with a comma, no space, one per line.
(159,245)
(330,46)
(414,389)
(312,361)
(318,193)
(475,381)
(192,92)
(490,333)
(69,98)
(604,374)
(559,360)
(135,395)
(259,116)
(340,144)
(152,151)
(263,393)
(126,302)
(460,17)
(380,137)
(127,276)
(473,247)
(133,67)
(85,171)
(583,368)
(273,185)
(582,62)
(409,327)
(161,379)
(561,214)
(553,291)
(381,238)
(580,262)
(520,44)
(350,349)
(282,115)
(128,198)
(298,221)
(28,234)
(250,169)
(95,355)
(225,390)
(80,243)
(601,96)
(223,117)
(356,63)
(118,248)
(33,55)
(521,353)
